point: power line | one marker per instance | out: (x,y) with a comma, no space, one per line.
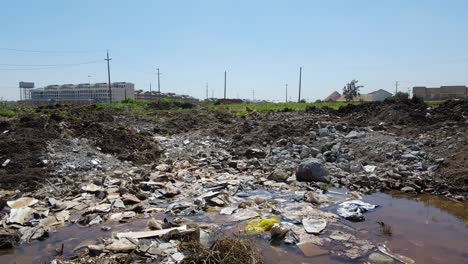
(47,67)
(51,51)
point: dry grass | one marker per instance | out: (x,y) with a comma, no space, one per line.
(226,250)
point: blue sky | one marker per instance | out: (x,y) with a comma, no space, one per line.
(260,43)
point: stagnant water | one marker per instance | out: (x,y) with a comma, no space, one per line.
(426,228)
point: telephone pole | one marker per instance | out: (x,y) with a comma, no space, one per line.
(159,84)
(286,93)
(300,83)
(108,76)
(225,84)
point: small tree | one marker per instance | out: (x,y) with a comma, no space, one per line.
(351,90)
(401,96)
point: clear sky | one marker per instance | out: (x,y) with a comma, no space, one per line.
(261,43)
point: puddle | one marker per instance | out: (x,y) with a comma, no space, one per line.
(427,229)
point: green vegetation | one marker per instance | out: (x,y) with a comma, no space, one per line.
(434,104)
(13,109)
(351,90)
(245,108)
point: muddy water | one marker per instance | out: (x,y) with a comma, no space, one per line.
(427,229)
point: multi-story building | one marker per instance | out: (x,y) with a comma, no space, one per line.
(441,93)
(84,92)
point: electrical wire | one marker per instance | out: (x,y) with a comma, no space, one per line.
(52,51)
(56,66)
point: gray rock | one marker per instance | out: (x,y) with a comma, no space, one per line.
(279,175)
(355,135)
(408,189)
(324,132)
(312,170)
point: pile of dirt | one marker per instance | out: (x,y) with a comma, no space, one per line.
(410,112)
(22,143)
(455,110)
(182,122)
(124,143)
(166,105)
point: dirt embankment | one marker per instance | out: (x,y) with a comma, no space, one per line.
(23,141)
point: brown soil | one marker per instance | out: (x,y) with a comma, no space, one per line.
(27,138)
(24,144)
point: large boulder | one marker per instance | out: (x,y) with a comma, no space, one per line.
(312,170)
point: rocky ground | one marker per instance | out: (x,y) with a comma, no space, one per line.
(192,175)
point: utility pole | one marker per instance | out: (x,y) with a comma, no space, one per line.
(253,95)
(206,91)
(225,84)
(286,93)
(396,87)
(159,84)
(300,83)
(108,76)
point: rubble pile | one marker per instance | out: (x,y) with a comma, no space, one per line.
(284,178)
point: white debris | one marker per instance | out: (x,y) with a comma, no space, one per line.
(6,163)
(369,168)
(20,215)
(155,233)
(353,210)
(314,226)
(22,202)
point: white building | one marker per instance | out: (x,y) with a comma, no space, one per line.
(98,92)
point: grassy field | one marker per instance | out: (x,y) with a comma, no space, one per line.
(269,107)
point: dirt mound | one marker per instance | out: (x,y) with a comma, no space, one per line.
(23,145)
(390,111)
(165,105)
(456,110)
(181,122)
(124,143)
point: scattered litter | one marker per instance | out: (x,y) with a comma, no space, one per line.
(314,226)
(353,210)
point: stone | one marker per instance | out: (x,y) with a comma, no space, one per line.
(121,245)
(228,210)
(279,175)
(255,153)
(324,132)
(155,224)
(408,189)
(92,188)
(316,198)
(314,226)
(355,135)
(378,258)
(340,236)
(312,170)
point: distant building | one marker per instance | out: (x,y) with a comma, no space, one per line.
(147,95)
(333,97)
(441,93)
(378,95)
(98,92)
